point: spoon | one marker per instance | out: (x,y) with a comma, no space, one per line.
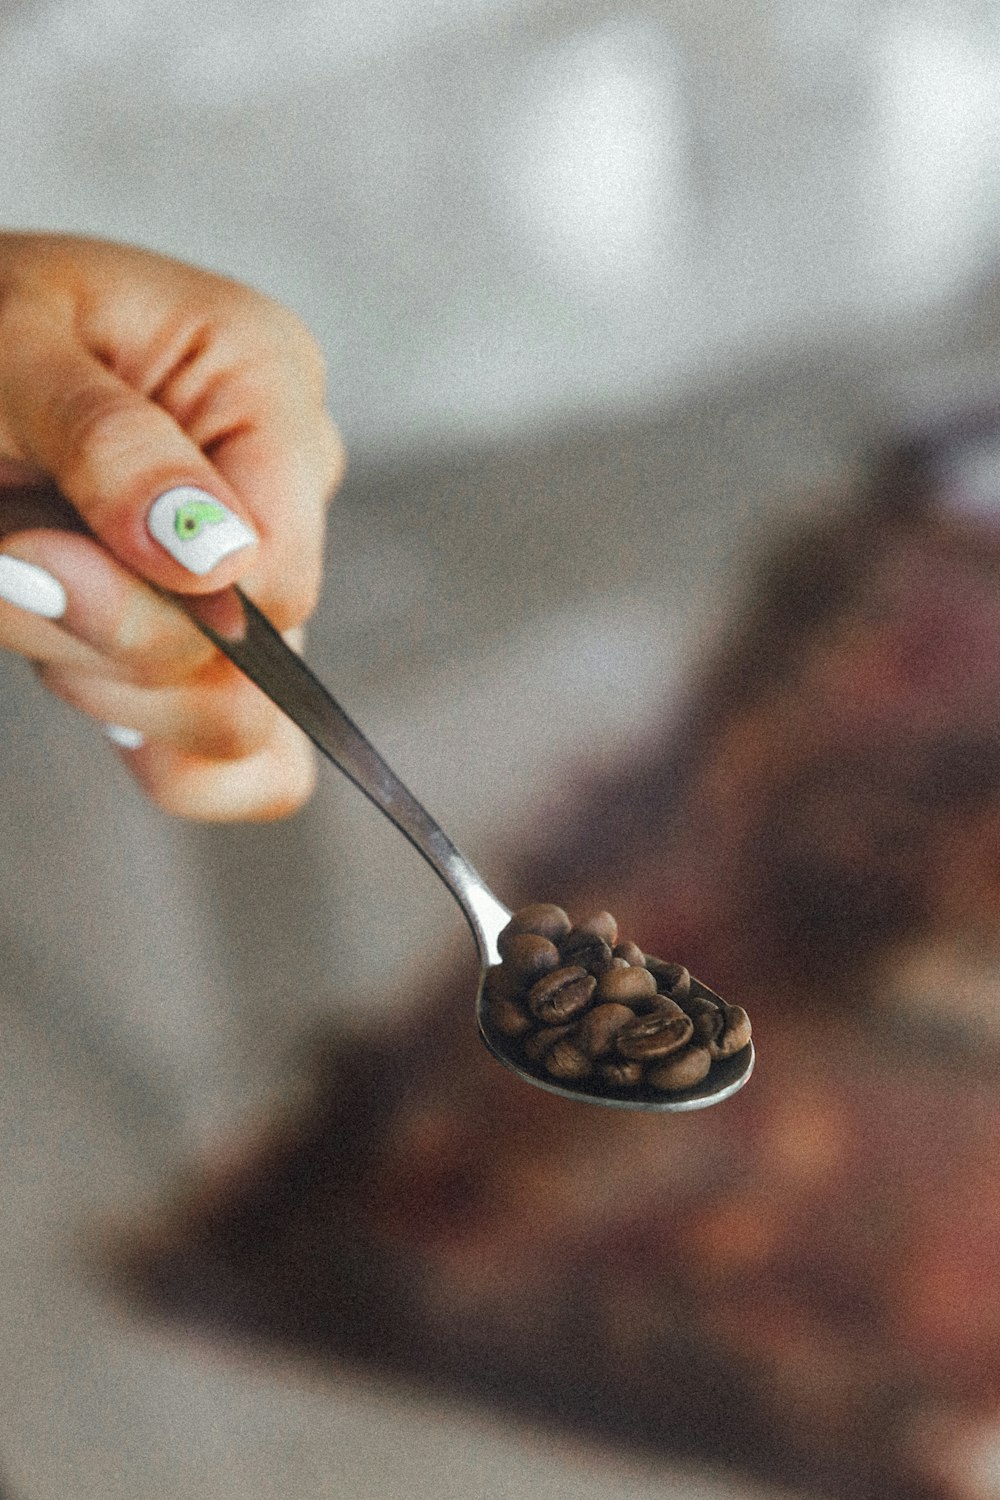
(246,636)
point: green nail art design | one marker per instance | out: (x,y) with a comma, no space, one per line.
(196,529)
(192,518)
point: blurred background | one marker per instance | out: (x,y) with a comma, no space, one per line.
(611,295)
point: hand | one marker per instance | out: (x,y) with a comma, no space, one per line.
(183,417)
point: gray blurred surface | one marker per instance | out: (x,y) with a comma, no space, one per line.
(609,294)
(498,212)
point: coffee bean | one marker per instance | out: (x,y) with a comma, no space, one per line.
(562,994)
(587,949)
(631,953)
(618,1074)
(542,918)
(508,1017)
(529,956)
(735,1032)
(566,1061)
(596,1030)
(681,1071)
(538,1043)
(707,1018)
(662,1005)
(652,1036)
(625,985)
(671,979)
(601,924)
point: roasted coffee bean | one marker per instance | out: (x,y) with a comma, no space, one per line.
(542,918)
(625,985)
(681,1071)
(618,1074)
(562,994)
(661,1005)
(584,948)
(529,956)
(509,1018)
(707,1018)
(538,1043)
(671,979)
(631,953)
(735,1032)
(565,1061)
(596,1029)
(653,1036)
(601,924)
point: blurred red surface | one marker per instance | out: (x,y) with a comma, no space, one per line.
(803,1283)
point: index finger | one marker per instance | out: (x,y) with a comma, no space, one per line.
(283,457)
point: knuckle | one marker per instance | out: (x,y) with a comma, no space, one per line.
(300,336)
(97,428)
(290,336)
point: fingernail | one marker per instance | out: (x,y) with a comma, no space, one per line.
(128,739)
(31,588)
(196,529)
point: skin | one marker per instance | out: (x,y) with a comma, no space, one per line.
(122,375)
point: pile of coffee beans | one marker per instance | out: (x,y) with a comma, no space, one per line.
(575,1006)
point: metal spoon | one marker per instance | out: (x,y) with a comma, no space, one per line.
(246,636)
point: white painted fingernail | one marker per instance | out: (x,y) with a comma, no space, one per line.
(196,529)
(128,739)
(31,588)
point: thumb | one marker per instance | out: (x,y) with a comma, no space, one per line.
(136,478)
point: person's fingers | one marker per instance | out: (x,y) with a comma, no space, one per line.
(264,425)
(31,602)
(271,783)
(63,590)
(183,417)
(286,485)
(223,716)
(138,480)
(123,374)
(107,644)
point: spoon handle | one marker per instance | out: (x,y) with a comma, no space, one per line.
(246,636)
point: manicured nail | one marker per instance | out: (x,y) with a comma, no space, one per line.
(196,529)
(31,588)
(128,739)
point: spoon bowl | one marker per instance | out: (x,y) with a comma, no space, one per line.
(726,1076)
